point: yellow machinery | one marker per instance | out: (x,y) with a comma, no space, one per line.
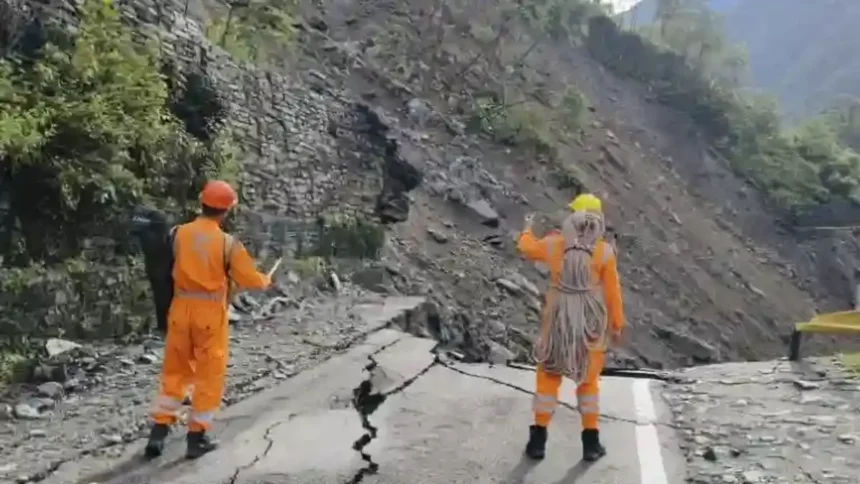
(832,217)
(839,322)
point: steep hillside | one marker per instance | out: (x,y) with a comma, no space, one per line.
(448,121)
(801,51)
(709,275)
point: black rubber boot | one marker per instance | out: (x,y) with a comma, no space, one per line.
(592,449)
(536,448)
(155,445)
(199,444)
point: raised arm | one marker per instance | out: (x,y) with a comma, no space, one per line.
(612,290)
(533,248)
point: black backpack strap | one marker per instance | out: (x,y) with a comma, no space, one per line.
(171,237)
(229,243)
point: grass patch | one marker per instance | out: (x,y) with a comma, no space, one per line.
(13,365)
(257,32)
(513,125)
(851,362)
(309,267)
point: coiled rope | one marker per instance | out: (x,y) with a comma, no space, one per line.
(576,320)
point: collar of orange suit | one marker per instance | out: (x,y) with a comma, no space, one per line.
(209,220)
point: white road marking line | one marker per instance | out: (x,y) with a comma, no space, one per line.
(647,441)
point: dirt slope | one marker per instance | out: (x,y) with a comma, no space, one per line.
(709,275)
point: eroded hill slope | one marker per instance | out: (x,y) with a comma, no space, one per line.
(709,275)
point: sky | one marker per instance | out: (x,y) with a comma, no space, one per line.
(622,5)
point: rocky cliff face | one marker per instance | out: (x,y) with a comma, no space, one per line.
(309,152)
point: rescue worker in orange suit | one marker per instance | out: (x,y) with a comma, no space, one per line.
(196,346)
(582,314)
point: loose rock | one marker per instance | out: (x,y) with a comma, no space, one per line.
(56,346)
(27,412)
(52,390)
(438,236)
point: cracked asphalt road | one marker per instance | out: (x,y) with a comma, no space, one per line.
(72,449)
(391,411)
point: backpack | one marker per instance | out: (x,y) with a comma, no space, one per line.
(157,237)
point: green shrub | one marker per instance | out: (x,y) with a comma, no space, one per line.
(567,20)
(851,362)
(260,32)
(308,267)
(514,125)
(844,117)
(793,169)
(349,237)
(85,133)
(79,298)
(574,108)
(13,366)
(569,177)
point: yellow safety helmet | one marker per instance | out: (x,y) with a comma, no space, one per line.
(586,202)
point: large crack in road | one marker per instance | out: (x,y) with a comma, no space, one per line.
(366,401)
(574,408)
(367,398)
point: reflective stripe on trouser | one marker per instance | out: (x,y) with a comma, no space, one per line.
(200,420)
(195,353)
(166,407)
(587,394)
(204,296)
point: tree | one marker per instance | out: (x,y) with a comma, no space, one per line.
(692,29)
(85,133)
(255,31)
(844,117)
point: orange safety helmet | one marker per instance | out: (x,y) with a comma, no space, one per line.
(219,195)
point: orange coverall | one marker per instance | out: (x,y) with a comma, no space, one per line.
(550,250)
(196,347)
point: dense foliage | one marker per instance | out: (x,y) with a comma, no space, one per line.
(86,131)
(685,60)
(255,31)
(92,122)
(807,55)
(844,118)
(682,55)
